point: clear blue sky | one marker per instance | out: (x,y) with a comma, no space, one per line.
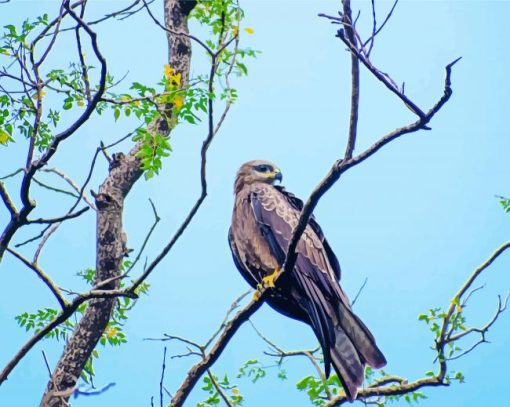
(415,220)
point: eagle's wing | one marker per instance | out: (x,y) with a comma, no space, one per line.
(345,340)
(297,204)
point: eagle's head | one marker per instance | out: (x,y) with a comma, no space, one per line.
(257,171)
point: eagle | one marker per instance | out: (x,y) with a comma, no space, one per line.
(263,219)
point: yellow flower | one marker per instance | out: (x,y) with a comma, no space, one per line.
(235,391)
(4,137)
(176,79)
(178,102)
(169,71)
(235,31)
(80,103)
(249,30)
(35,95)
(111,332)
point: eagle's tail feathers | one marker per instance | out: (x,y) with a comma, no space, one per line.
(361,337)
(347,364)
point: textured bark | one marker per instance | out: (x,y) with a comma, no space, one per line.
(111,245)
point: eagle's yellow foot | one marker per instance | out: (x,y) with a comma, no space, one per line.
(268,281)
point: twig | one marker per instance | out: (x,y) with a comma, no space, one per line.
(47,233)
(359,292)
(54,189)
(146,240)
(218,388)
(43,276)
(73,185)
(46,362)
(375,31)
(59,219)
(162,378)
(482,331)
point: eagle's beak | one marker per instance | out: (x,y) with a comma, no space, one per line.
(277,175)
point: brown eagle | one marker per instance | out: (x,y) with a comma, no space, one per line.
(263,219)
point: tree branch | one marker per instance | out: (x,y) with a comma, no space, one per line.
(43,276)
(59,219)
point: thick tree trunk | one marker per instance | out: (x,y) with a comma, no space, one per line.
(111,246)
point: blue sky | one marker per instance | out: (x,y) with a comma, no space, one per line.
(415,219)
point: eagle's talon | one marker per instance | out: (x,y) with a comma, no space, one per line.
(268,281)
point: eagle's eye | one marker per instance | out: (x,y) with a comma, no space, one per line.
(263,168)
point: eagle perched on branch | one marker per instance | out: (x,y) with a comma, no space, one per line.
(263,219)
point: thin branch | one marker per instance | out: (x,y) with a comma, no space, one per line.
(54,189)
(46,362)
(8,201)
(177,33)
(47,234)
(359,292)
(281,354)
(203,365)
(375,31)
(353,119)
(482,331)
(64,314)
(59,219)
(12,174)
(43,276)
(219,389)
(73,185)
(147,237)
(162,379)
(465,287)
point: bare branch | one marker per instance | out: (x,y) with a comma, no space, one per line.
(163,365)
(359,292)
(375,30)
(8,201)
(353,120)
(43,276)
(59,219)
(79,190)
(147,237)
